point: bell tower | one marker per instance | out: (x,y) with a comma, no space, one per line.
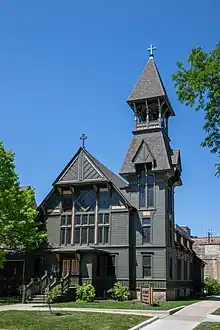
(149,100)
(150,147)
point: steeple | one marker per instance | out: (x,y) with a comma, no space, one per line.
(150,146)
(149,99)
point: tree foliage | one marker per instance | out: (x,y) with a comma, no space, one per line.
(18,228)
(198,85)
(212,286)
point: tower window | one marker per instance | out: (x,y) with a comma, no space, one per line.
(146,191)
(146,230)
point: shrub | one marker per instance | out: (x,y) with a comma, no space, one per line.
(119,292)
(52,294)
(85,292)
(212,286)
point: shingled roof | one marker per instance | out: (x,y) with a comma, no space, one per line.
(149,84)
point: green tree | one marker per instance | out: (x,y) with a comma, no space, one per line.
(198,84)
(18,228)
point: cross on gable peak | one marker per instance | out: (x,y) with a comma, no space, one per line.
(83,137)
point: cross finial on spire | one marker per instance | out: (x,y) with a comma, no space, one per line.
(83,137)
(151,50)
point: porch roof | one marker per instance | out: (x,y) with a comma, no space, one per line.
(78,249)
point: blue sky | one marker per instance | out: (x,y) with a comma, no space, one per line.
(67,68)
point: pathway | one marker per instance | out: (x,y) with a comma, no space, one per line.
(33,307)
(187,318)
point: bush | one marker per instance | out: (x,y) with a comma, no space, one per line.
(85,292)
(212,286)
(119,292)
(52,294)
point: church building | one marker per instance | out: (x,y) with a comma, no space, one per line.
(104,227)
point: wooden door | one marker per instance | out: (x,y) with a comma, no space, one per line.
(70,264)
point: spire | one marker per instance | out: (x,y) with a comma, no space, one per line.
(149,84)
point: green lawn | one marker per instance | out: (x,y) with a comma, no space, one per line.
(208,326)
(217,312)
(165,305)
(9,300)
(17,320)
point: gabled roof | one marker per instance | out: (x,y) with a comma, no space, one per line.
(157,146)
(85,160)
(149,84)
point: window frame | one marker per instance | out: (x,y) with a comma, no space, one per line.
(81,226)
(147,267)
(66,227)
(149,226)
(105,226)
(144,185)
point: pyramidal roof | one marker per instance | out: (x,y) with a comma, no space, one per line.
(149,84)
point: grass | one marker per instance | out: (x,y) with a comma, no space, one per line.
(217,312)
(9,300)
(164,305)
(208,326)
(83,321)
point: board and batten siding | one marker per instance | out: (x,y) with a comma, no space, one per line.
(120,228)
(53,230)
(158,263)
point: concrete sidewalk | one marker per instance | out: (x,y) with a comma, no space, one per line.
(188,318)
(34,308)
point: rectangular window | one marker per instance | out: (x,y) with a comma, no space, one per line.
(106,234)
(146,192)
(63,220)
(91,234)
(84,219)
(65,231)
(84,235)
(100,231)
(103,228)
(77,219)
(147,265)
(146,230)
(69,220)
(62,236)
(142,197)
(84,228)
(111,265)
(100,220)
(91,219)
(77,236)
(68,236)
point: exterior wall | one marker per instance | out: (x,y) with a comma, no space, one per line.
(53,230)
(119,228)
(209,251)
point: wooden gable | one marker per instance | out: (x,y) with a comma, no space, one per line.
(81,168)
(143,154)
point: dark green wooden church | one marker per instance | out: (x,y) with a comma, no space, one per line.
(104,227)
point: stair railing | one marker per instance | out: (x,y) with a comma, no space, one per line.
(65,283)
(34,287)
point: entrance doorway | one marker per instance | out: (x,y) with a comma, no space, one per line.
(69,263)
